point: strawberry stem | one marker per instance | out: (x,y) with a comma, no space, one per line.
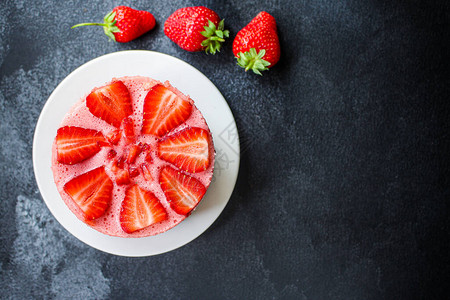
(88,24)
(109,25)
(253,60)
(214,36)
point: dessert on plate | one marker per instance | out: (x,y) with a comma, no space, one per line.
(133,158)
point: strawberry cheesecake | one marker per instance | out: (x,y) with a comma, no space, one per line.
(133,158)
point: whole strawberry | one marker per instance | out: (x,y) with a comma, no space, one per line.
(256,46)
(124,24)
(195,29)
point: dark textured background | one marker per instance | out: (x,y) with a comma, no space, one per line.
(343,188)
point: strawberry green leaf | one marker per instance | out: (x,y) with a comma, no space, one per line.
(253,60)
(214,37)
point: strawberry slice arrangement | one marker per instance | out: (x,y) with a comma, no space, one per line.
(256,46)
(124,24)
(130,155)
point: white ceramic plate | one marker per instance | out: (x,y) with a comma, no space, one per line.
(188,80)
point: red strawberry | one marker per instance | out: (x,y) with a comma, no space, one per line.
(103,143)
(111,103)
(163,111)
(111,154)
(146,172)
(118,164)
(140,209)
(264,19)
(124,24)
(133,153)
(122,176)
(75,144)
(113,137)
(182,191)
(128,129)
(147,151)
(256,46)
(149,158)
(133,172)
(92,192)
(187,149)
(195,29)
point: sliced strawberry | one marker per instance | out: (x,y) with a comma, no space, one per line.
(133,153)
(148,157)
(187,149)
(128,129)
(140,209)
(120,162)
(92,192)
(103,143)
(75,144)
(182,191)
(111,103)
(111,154)
(114,167)
(146,172)
(163,111)
(145,147)
(122,177)
(133,172)
(113,137)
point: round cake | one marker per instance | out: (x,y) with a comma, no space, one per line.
(133,158)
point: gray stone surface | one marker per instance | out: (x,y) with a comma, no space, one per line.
(343,188)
